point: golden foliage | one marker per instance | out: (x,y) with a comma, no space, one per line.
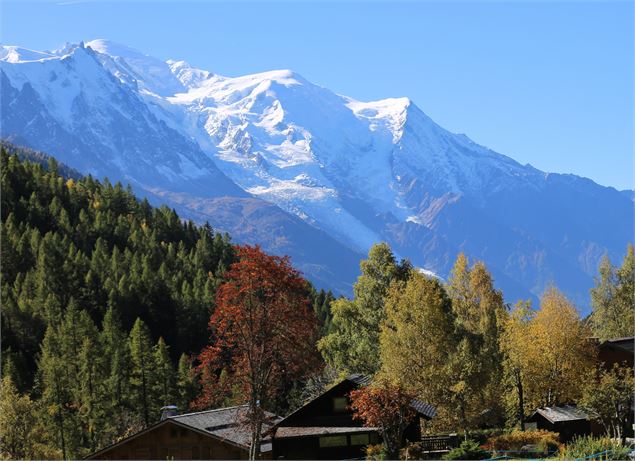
(548,356)
(560,357)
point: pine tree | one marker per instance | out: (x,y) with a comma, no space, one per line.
(57,395)
(187,386)
(116,353)
(142,362)
(92,401)
(164,379)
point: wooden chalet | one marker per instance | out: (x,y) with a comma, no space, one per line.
(212,434)
(324,428)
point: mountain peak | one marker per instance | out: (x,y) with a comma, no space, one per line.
(16,54)
(361,172)
(114,49)
(151,74)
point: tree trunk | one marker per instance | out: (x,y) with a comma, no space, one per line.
(256,430)
(521,401)
(60,417)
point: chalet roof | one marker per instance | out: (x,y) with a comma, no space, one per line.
(302,431)
(227,423)
(423,408)
(627,343)
(562,413)
(361,380)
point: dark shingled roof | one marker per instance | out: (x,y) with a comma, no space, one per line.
(285,432)
(228,423)
(420,407)
(627,343)
(562,413)
(359,379)
(423,408)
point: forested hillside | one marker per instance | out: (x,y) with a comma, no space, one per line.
(106,303)
(102,296)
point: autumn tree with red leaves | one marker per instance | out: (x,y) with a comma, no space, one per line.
(263,333)
(386,407)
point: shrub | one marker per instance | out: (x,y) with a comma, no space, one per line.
(469,449)
(483,435)
(375,452)
(413,450)
(543,441)
(582,447)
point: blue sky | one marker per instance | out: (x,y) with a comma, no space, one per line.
(549,84)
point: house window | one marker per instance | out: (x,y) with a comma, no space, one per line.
(359,439)
(531,426)
(183,432)
(340,404)
(333,441)
(174,433)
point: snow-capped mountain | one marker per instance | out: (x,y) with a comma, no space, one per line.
(275,159)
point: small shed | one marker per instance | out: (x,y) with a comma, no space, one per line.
(568,420)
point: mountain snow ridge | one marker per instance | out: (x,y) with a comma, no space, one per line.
(361,172)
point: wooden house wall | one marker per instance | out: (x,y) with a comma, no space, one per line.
(309,448)
(320,413)
(610,355)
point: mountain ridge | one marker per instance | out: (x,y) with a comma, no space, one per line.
(358,172)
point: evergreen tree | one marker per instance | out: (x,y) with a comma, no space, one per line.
(57,396)
(164,379)
(142,363)
(117,356)
(187,385)
(92,408)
